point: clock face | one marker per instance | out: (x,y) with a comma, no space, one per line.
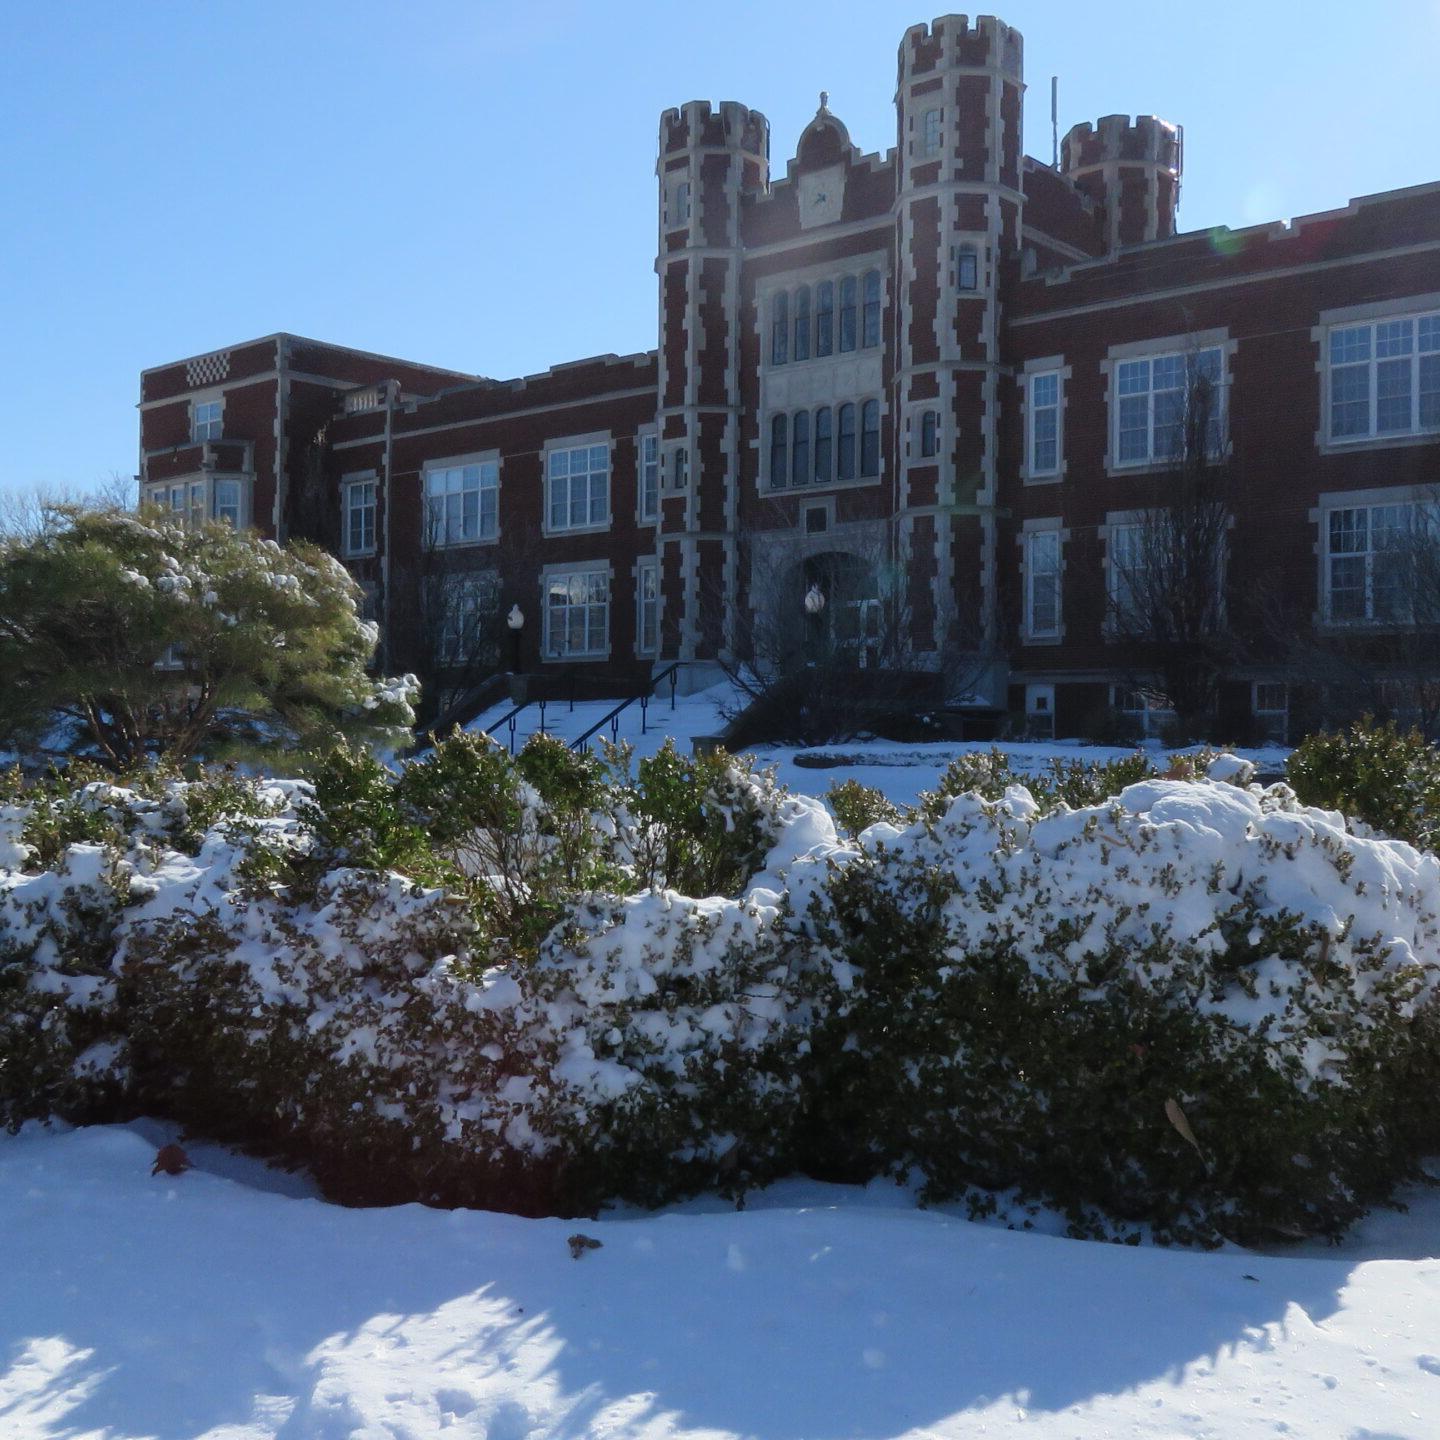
(821,196)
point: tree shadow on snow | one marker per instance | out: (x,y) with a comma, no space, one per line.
(167,1307)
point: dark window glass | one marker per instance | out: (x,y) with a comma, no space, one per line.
(800,448)
(847,443)
(823,444)
(780,329)
(779,449)
(848,290)
(870,321)
(967,268)
(801,349)
(930,433)
(824,317)
(870,438)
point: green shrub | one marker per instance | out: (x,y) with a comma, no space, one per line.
(1374,773)
(856,806)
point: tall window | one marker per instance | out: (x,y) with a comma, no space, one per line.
(208,422)
(1044,417)
(930,434)
(359,517)
(680,205)
(1365,549)
(462,503)
(1385,378)
(649,476)
(802,323)
(647,607)
(870,316)
(870,438)
(930,133)
(229,500)
(577,615)
(779,328)
(679,468)
(1158,400)
(1125,550)
(461,608)
(1042,583)
(846,468)
(824,318)
(823,445)
(849,290)
(966,262)
(779,449)
(579,487)
(800,448)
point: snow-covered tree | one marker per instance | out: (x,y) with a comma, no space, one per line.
(129,636)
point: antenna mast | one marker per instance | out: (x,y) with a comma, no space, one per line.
(1055,119)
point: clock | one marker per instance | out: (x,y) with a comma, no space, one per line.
(822,196)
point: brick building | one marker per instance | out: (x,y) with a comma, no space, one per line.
(948,373)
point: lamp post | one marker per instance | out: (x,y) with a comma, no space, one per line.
(516,621)
(814,608)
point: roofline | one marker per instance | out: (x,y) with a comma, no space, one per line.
(324,344)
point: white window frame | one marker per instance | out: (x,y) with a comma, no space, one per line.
(647,476)
(1118,525)
(579,578)
(1379,330)
(353,489)
(1033,470)
(1421,507)
(1186,348)
(452,479)
(1049,535)
(647,606)
(1189,362)
(211,427)
(930,132)
(594,445)
(199,498)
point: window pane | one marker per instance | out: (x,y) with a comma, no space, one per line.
(847,313)
(1350,400)
(779,450)
(800,449)
(1430,392)
(1394,337)
(1392,395)
(870,438)
(846,456)
(779,328)
(1134,428)
(1134,377)
(802,323)
(822,444)
(824,317)
(1044,390)
(1347,346)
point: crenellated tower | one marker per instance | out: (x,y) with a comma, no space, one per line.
(710,159)
(959,212)
(1132,168)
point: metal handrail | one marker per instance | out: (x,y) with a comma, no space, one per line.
(582,744)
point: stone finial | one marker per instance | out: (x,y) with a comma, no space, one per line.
(824,101)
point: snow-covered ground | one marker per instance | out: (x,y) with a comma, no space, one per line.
(900,770)
(230,1304)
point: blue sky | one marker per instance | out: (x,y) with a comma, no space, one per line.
(471,184)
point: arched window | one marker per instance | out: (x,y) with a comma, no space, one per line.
(870,438)
(846,469)
(823,445)
(779,328)
(779,449)
(824,318)
(870,320)
(848,289)
(800,448)
(930,433)
(801,350)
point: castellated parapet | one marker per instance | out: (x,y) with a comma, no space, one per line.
(1132,168)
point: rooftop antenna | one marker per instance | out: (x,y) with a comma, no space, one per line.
(1055,119)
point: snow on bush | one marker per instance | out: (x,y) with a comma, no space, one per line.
(1195,1007)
